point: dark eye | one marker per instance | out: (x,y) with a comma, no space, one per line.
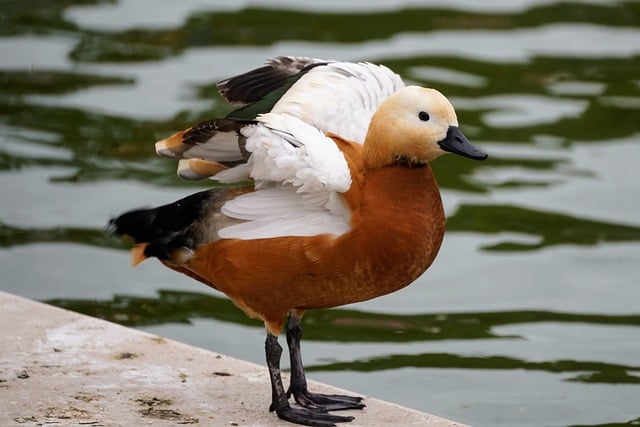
(423,115)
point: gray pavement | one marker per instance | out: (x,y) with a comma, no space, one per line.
(62,368)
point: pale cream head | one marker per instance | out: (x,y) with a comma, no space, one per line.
(408,126)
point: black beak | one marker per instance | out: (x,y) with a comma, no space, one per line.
(455,142)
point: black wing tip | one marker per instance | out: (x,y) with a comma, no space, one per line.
(253,85)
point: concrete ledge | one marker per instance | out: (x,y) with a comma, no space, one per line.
(64,368)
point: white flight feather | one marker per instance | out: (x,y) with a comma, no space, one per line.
(222,147)
(234,174)
(280,211)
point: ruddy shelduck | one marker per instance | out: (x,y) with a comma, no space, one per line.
(335,201)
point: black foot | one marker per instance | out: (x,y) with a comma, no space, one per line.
(327,402)
(308,417)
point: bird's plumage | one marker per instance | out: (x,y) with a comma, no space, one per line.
(333,97)
(335,201)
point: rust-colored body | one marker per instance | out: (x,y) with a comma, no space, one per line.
(397,226)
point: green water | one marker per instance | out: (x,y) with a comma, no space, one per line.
(530,315)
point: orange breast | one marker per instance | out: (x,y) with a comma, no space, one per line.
(397,228)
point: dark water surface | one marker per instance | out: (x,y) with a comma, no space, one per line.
(530,315)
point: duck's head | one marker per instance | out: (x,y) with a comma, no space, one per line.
(414,126)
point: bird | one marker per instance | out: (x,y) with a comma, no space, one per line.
(330,199)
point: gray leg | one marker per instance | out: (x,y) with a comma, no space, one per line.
(279,400)
(298,387)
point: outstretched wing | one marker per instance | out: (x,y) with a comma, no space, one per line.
(336,97)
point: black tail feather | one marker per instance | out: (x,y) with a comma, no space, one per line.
(167,227)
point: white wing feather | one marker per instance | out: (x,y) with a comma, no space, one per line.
(285,149)
(299,173)
(280,211)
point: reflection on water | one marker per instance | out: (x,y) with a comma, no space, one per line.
(356,327)
(551,228)
(328,325)
(537,271)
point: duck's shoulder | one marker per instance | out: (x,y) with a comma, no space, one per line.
(352,152)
